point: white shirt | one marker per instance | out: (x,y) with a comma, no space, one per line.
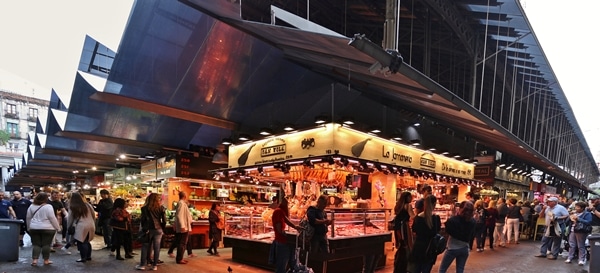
(44,218)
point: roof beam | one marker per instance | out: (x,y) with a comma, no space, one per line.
(164,110)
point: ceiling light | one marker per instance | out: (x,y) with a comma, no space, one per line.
(244,137)
(445,152)
(266,132)
(348,121)
(122,156)
(415,142)
(417,124)
(288,127)
(375,130)
(396,137)
(320,119)
(226,141)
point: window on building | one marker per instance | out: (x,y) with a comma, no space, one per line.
(11,108)
(12,129)
(33,113)
(31,128)
(13,147)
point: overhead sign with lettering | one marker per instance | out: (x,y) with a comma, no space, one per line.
(335,139)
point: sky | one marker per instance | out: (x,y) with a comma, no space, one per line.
(41,42)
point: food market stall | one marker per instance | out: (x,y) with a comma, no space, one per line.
(355,233)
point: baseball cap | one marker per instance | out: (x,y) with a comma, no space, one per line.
(553,199)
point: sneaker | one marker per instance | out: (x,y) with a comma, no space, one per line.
(551,257)
(192,255)
(171,255)
(540,256)
(140,267)
(568,261)
(66,251)
(155,268)
(112,253)
(581,263)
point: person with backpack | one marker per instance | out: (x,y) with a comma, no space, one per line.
(426,226)
(480,216)
(460,228)
(317,218)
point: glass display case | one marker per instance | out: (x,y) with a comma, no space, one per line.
(251,226)
(358,222)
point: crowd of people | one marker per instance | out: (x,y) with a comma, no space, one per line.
(499,222)
(49,217)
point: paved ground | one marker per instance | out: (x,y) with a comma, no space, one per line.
(513,259)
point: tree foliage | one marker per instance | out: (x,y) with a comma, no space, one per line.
(4,137)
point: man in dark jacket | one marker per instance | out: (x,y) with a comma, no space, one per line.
(104,209)
(20,206)
(318,219)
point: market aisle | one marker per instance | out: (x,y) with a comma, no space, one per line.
(513,259)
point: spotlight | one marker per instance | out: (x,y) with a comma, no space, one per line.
(308,163)
(226,141)
(244,137)
(330,160)
(374,130)
(345,161)
(396,137)
(389,60)
(348,121)
(320,119)
(266,131)
(288,127)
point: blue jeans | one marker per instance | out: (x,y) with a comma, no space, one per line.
(461,255)
(106,232)
(155,238)
(283,257)
(552,244)
(577,244)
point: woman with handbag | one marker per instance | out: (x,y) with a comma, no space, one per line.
(580,228)
(153,222)
(42,225)
(82,217)
(426,226)
(461,230)
(402,234)
(215,230)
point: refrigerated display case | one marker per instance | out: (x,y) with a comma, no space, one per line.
(354,235)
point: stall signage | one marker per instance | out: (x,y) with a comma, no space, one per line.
(165,167)
(334,139)
(272,147)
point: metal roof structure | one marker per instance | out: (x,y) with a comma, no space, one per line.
(193,72)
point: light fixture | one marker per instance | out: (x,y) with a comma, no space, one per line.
(396,137)
(417,124)
(288,127)
(501,165)
(226,141)
(374,130)
(320,119)
(457,156)
(415,142)
(387,60)
(265,132)
(348,121)
(244,137)
(445,152)
(122,156)
(220,157)
(432,149)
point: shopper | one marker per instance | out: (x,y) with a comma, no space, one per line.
(499,234)
(426,191)
(61,215)
(425,226)
(283,251)
(183,227)
(402,233)
(82,217)
(490,222)
(104,209)
(215,230)
(120,223)
(20,206)
(460,228)
(577,237)
(554,216)
(480,216)
(153,221)
(594,208)
(512,221)
(317,218)
(43,225)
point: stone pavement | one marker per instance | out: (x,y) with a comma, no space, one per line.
(512,259)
